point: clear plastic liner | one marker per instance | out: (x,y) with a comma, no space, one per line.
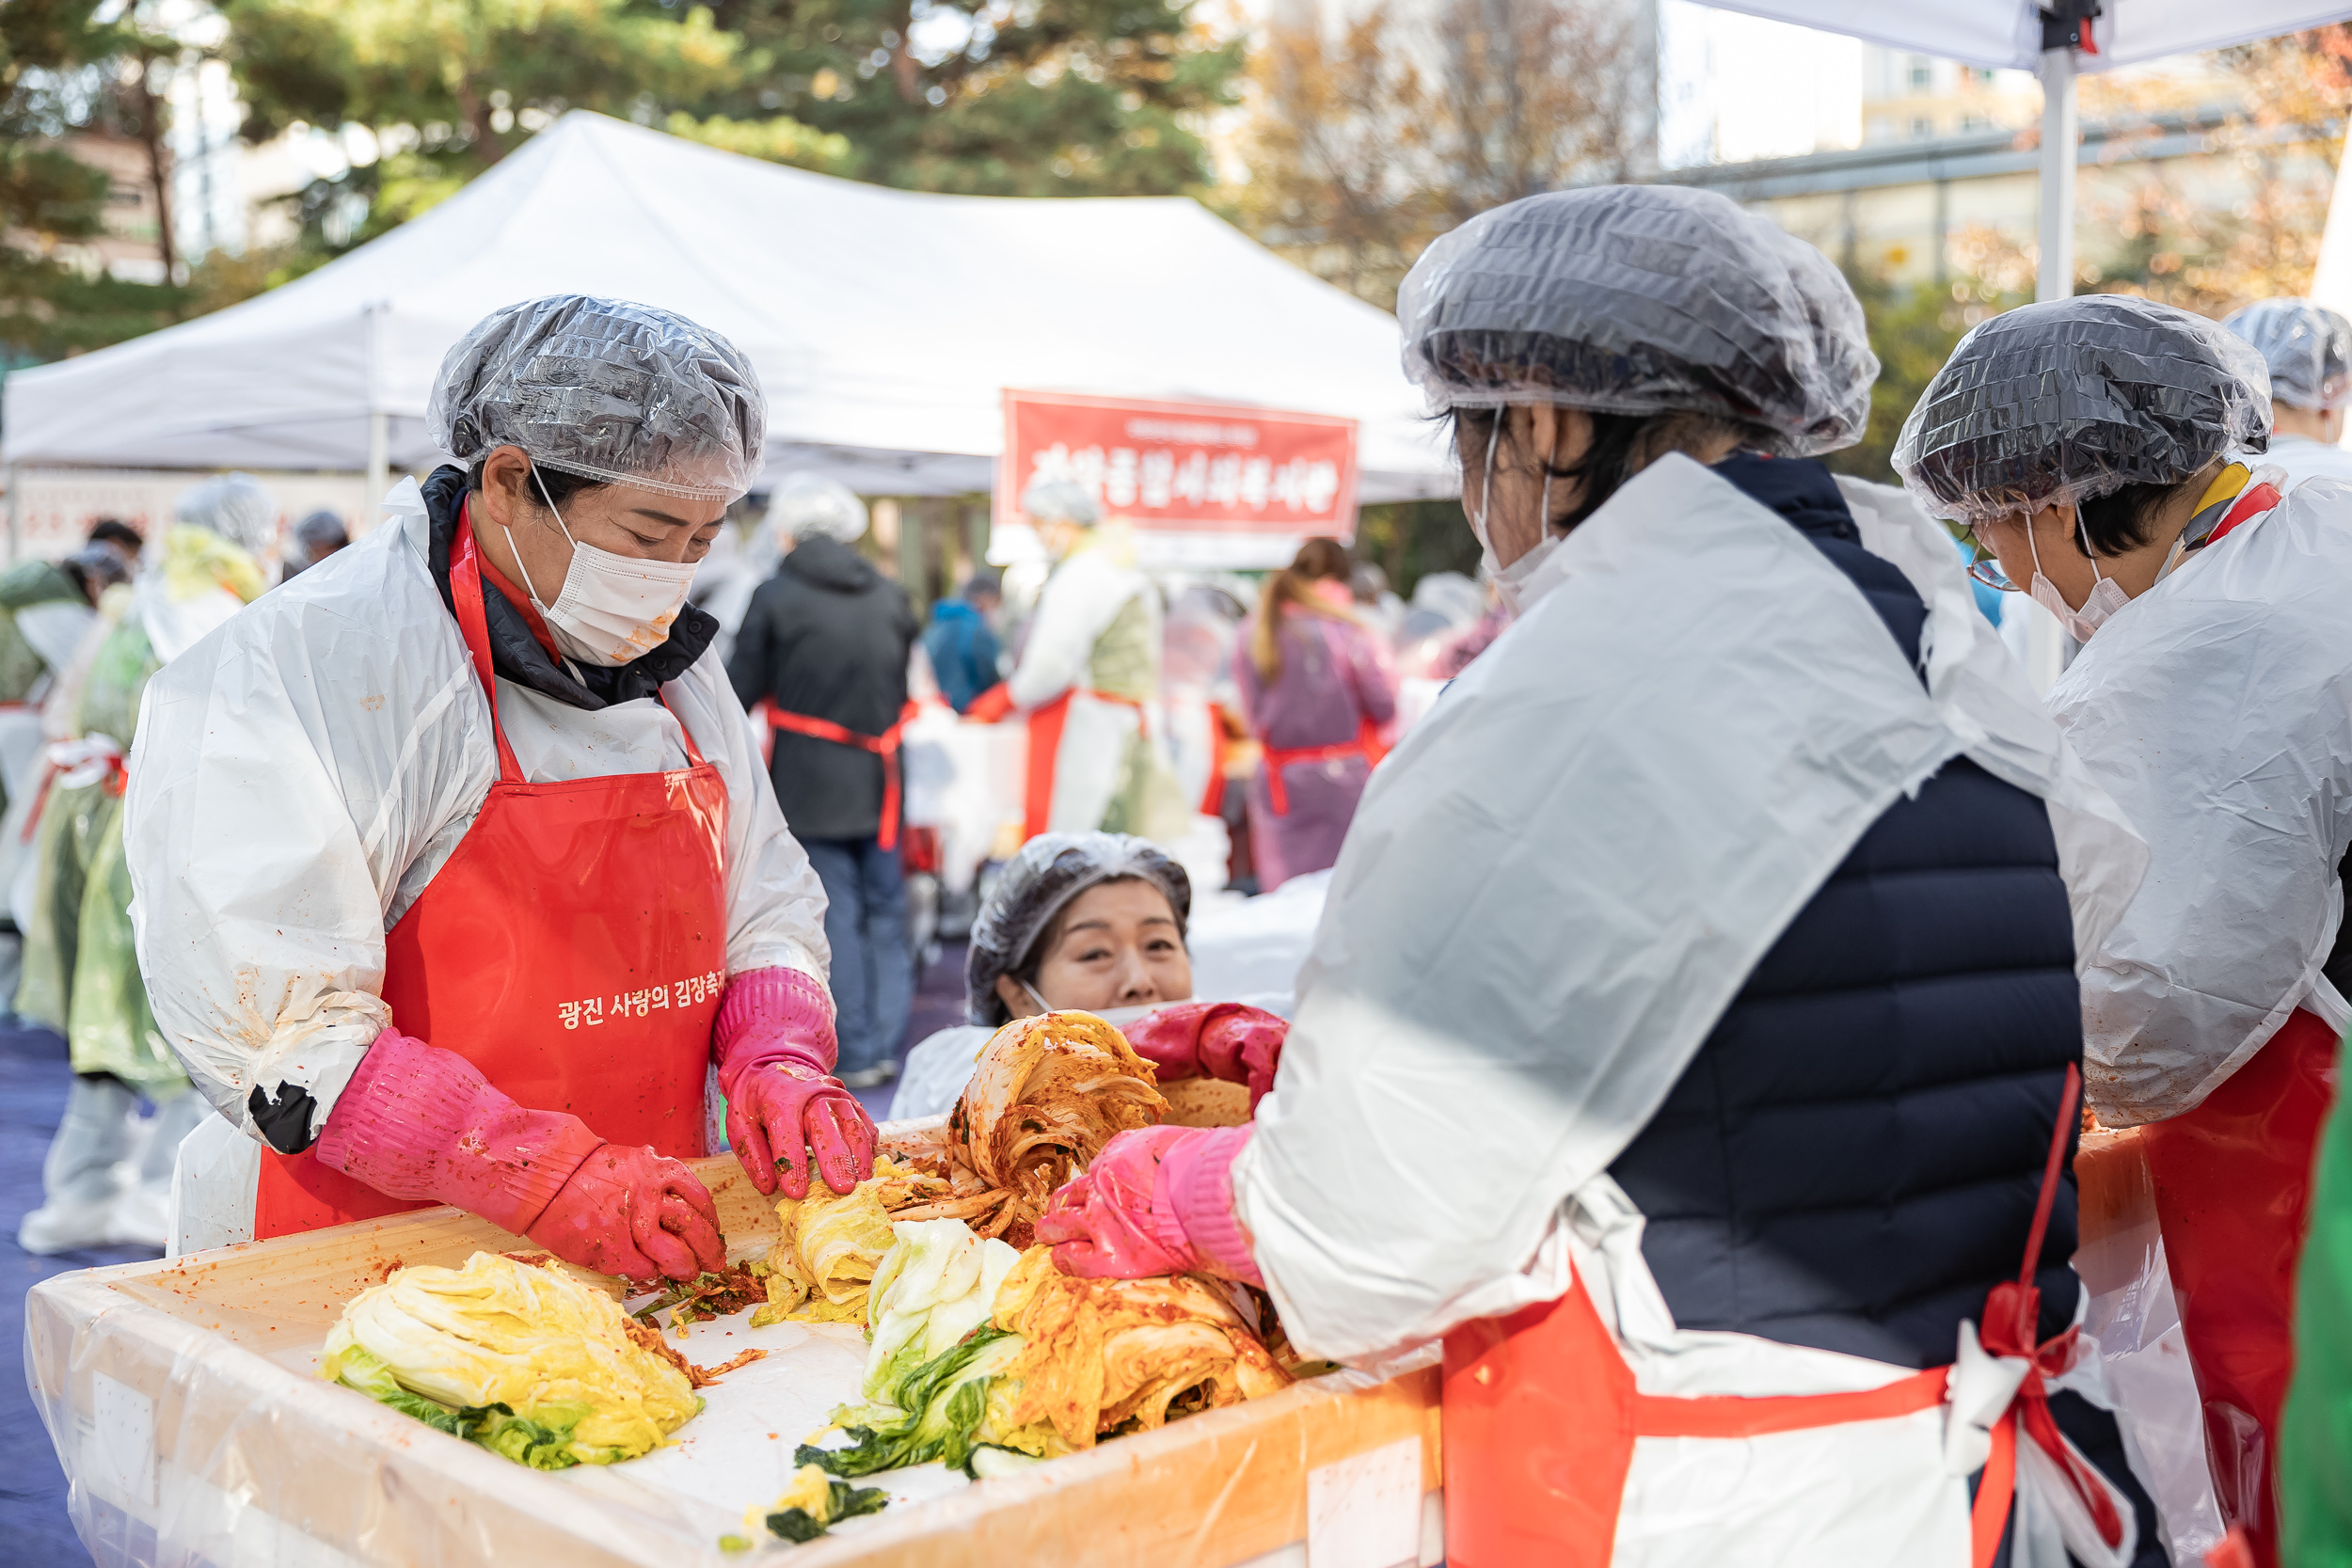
(2307,346)
(2059,404)
(184,1404)
(1038,883)
(1640,300)
(607,390)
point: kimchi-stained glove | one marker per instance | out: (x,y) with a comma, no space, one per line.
(422,1123)
(785,1112)
(1212,1039)
(1157,1200)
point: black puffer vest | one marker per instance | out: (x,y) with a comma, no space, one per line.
(1852,1159)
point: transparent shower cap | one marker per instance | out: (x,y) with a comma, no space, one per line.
(606,389)
(2307,346)
(233,506)
(2065,402)
(806,503)
(1640,300)
(1035,885)
(1059,499)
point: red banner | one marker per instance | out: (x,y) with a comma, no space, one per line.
(1188,468)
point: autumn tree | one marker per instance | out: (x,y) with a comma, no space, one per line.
(68,67)
(1368,139)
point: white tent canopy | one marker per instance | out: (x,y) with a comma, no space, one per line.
(884,322)
(2009,32)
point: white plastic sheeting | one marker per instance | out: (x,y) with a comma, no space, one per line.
(2009,32)
(884,323)
(2216,708)
(302,776)
(1561,878)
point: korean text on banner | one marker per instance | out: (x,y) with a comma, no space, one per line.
(1185,467)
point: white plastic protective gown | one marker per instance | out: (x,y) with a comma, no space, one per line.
(2303,459)
(300,778)
(1081,599)
(2216,710)
(1549,894)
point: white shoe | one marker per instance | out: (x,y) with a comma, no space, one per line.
(140,1216)
(68,1227)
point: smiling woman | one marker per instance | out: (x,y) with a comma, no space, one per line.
(1089,921)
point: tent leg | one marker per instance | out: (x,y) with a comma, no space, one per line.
(2061,137)
(379,461)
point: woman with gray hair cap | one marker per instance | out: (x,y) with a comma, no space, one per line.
(1693,1017)
(1086,682)
(458,874)
(1093,922)
(2308,349)
(2105,454)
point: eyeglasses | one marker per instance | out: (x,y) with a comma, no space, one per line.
(1983,565)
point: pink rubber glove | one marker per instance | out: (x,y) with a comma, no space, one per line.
(1157,1200)
(1212,1039)
(421,1123)
(785,1110)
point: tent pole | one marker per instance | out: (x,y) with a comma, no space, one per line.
(2061,137)
(2045,641)
(379,460)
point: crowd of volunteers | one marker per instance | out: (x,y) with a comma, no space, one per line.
(1712,977)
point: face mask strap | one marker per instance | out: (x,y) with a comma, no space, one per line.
(1486,478)
(2082,530)
(1043,1005)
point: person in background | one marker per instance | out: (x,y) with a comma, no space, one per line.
(2308,350)
(119,537)
(1689,1040)
(316,537)
(81,972)
(824,645)
(1316,693)
(1092,922)
(1086,675)
(1376,602)
(2213,700)
(961,642)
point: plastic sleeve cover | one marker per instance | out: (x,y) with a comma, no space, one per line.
(1640,300)
(607,389)
(2065,402)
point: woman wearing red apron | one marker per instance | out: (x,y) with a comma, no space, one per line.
(2213,700)
(1688,1045)
(458,878)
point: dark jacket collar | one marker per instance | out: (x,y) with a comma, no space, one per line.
(1798,488)
(516,654)
(823,561)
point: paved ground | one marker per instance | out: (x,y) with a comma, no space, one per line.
(34,1525)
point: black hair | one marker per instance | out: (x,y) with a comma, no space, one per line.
(561,486)
(2120,520)
(114,530)
(1622,446)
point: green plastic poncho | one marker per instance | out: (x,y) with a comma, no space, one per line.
(2315,1430)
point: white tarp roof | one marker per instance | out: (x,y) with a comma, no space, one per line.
(884,322)
(2009,32)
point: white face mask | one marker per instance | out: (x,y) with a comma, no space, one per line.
(1513,582)
(2105,597)
(614,608)
(1118,1018)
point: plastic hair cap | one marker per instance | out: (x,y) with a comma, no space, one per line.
(2307,346)
(1640,300)
(606,390)
(2065,402)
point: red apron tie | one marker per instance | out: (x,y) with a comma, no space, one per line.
(884,746)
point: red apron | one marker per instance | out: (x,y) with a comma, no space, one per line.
(575,945)
(1541,1413)
(884,746)
(2232,1182)
(1366,745)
